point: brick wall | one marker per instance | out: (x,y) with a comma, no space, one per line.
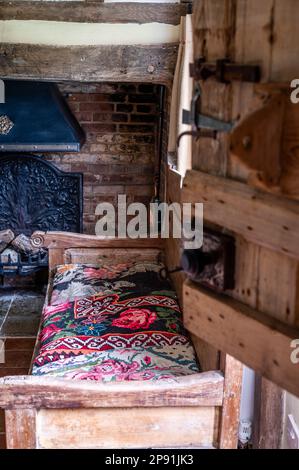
(121,151)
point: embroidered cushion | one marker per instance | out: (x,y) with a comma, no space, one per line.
(115,336)
(73,281)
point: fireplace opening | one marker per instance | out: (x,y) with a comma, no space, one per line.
(34,195)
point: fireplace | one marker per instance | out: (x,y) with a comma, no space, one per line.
(34,195)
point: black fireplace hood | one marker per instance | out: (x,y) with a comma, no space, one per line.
(35,117)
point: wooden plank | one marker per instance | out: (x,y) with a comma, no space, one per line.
(98,256)
(256,142)
(246,272)
(56,257)
(254,34)
(230,411)
(127,428)
(258,340)
(60,240)
(138,63)
(20,428)
(173,186)
(173,252)
(269,404)
(93,12)
(285,33)
(278,286)
(214,28)
(210,155)
(289,182)
(261,218)
(208,356)
(204,389)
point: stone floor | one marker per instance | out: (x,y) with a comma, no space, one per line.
(20,312)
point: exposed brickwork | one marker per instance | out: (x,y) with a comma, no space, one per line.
(120,154)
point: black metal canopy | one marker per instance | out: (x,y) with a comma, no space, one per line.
(35,117)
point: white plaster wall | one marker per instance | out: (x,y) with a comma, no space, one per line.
(59,33)
(291,407)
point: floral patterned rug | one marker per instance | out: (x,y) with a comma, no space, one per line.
(130,328)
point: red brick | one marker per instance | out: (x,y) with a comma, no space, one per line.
(136,128)
(5,372)
(127,88)
(91,107)
(2,441)
(84,117)
(2,421)
(77,97)
(143,98)
(103,128)
(146,88)
(17,359)
(143,118)
(120,153)
(74,107)
(124,108)
(110,117)
(144,108)
(19,344)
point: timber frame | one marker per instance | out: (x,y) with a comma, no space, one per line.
(201,410)
(126,63)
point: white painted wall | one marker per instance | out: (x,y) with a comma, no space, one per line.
(291,407)
(59,33)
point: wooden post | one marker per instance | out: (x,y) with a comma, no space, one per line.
(230,412)
(267,432)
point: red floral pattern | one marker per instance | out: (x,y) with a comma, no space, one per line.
(135,318)
(121,333)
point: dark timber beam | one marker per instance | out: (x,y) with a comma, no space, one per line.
(93,12)
(148,63)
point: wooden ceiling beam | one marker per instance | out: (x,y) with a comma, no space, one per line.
(94,12)
(134,63)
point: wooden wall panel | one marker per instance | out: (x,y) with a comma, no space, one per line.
(285,39)
(265,219)
(278,286)
(264,33)
(214,24)
(253,39)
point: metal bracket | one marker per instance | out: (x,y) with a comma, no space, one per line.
(207,122)
(225,71)
(202,125)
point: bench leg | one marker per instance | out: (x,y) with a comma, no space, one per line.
(20,427)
